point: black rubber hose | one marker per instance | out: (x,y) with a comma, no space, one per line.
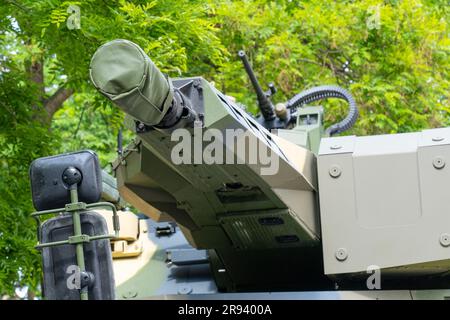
(325,92)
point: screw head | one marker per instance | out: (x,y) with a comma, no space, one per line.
(335,171)
(438,162)
(444,239)
(184,290)
(341,254)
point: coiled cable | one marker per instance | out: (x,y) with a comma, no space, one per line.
(325,92)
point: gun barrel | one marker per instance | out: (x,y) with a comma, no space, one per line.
(266,107)
(123,73)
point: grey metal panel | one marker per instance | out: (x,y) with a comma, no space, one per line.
(182,279)
(385,172)
(432,137)
(180,257)
(307,295)
(336,145)
(440,294)
(385,203)
(313,295)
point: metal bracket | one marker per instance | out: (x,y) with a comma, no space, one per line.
(79,239)
(165,230)
(182,257)
(75,206)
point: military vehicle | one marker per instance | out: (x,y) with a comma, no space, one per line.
(235,206)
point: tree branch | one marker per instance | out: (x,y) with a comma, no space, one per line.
(18,5)
(55,102)
(35,69)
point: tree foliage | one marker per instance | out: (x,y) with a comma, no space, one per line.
(44,64)
(397,69)
(393,55)
(21,141)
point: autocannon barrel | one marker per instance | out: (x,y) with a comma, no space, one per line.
(123,73)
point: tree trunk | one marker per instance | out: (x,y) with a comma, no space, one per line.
(50,104)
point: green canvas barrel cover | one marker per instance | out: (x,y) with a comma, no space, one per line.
(122,71)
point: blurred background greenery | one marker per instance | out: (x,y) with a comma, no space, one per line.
(393,55)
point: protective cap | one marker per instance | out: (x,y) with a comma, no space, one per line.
(122,72)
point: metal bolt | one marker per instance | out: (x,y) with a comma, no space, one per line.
(341,254)
(439,162)
(184,290)
(444,239)
(335,147)
(437,139)
(335,171)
